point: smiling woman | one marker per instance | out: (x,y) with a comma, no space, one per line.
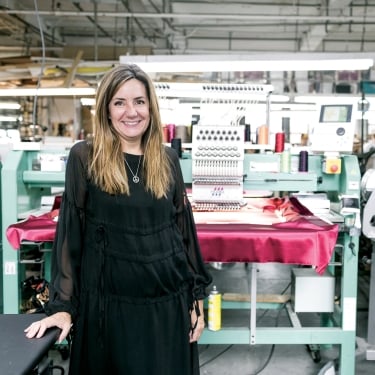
(127,269)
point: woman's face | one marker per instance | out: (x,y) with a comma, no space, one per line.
(129,112)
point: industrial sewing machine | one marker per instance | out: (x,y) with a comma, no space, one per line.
(223,175)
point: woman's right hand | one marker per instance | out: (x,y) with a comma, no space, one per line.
(62,320)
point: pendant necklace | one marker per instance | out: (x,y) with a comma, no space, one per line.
(135,175)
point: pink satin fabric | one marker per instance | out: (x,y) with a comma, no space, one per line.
(35,228)
(305,241)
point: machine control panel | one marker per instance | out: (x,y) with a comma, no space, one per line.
(334,129)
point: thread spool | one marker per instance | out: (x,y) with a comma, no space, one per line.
(285,126)
(165,134)
(263,135)
(285,162)
(182,133)
(172,130)
(189,130)
(176,145)
(279,142)
(303,164)
(247,133)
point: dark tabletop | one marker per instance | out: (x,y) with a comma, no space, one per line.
(18,354)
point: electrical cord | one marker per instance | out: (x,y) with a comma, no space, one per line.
(216,356)
(267,310)
(41,67)
(270,355)
(204,349)
(266,363)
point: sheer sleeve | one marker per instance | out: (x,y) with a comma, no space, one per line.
(185,221)
(67,246)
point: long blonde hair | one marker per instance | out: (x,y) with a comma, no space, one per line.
(107,167)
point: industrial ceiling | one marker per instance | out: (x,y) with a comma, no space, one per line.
(105,29)
(101,31)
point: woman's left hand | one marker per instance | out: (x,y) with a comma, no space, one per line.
(62,320)
(198,322)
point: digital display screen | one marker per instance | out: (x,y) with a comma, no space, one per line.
(336,113)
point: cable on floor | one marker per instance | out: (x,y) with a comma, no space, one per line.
(267,310)
(216,356)
(272,348)
(268,360)
(204,349)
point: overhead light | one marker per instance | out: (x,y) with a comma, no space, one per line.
(56,91)
(87,101)
(9,119)
(326,99)
(285,107)
(10,105)
(243,63)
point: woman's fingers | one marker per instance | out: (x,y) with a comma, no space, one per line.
(64,332)
(196,333)
(35,329)
(60,320)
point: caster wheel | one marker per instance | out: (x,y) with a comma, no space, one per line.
(315,353)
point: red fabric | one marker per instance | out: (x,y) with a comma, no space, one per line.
(303,239)
(34,228)
(306,241)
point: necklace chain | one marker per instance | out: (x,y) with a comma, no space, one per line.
(135,175)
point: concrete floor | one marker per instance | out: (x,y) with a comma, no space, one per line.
(272,359)
(280,359)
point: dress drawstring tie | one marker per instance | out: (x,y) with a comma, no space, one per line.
(101,240)
(195,307)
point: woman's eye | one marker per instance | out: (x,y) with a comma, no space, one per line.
(118,103)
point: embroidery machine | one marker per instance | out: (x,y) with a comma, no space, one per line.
(340,186)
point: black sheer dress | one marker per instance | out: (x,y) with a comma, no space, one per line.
(128,269)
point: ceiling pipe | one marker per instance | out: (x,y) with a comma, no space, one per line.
(93,20)
(342,19)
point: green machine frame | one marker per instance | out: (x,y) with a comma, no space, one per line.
(21,193)
(337,328)
(22,189)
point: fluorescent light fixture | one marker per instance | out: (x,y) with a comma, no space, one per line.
(288,107)
(9,118)
(10,105)
(243,63)
(56,91)
(326,99)
(87,101)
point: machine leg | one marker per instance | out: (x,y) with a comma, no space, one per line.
(370,353)
(253,304)
(347,357)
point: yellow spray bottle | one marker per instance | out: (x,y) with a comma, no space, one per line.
(214,310)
